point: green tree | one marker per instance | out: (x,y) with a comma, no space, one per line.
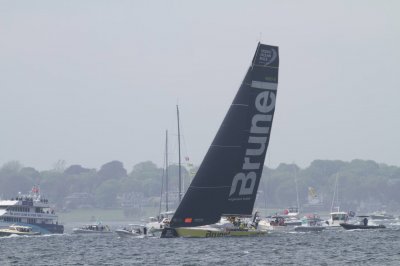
(106,193)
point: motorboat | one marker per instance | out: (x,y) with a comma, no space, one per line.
(310,223)
(92,228)
(156,225)
(291,212)
(133,230)
(292,221)
(274,223)
(363,224)
(291,216)
(382,216)
(359,226)
(337,218)
(18,230)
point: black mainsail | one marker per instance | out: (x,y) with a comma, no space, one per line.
(227,181)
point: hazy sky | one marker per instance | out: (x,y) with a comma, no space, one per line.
(94,81)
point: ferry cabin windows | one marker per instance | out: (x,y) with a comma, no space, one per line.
(18,209)
(31,221)
(11,219)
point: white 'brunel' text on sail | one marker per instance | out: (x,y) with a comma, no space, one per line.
(265,104)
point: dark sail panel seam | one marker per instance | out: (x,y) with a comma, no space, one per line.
(266,66)
(264,85)
(210,187)
(239,104)
(237,214)
(223,146)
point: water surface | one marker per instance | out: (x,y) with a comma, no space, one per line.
(330,247)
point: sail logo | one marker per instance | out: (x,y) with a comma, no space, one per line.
(267,56)
(257,142)
(217,234)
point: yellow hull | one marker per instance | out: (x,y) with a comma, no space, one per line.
(201,232)
(8,232)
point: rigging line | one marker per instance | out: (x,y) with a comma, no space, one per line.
(183,140)
(166,171)
(184,145)
(179,154)
(162,188)
(162,179)
(334,193)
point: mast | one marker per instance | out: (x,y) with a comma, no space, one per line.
(297,189)
(162,189)
(166,170)
(335,195)
(179,156)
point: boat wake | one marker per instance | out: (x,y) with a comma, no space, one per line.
(11,236)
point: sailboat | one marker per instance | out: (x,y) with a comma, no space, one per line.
(226,183)
(291,214)
(337,217)
(156,225)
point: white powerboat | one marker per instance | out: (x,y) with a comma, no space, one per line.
(338,218)
(133,230)
(274,223)
(92,228)
(310,223)
(156,226)
(381,216)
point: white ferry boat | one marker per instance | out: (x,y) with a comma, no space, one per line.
(30,210)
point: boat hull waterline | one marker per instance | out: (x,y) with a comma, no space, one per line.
(83,231)
(201,232)
(309,228)
(42,228)
(359,226)
(18,230)
(127,233)
(6,232)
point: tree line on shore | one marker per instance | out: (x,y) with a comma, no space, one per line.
(362,183)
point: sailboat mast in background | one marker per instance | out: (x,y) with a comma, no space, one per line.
(179,156)
(336,196)
(297,189)
(166,170)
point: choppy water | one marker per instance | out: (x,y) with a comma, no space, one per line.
(330,247)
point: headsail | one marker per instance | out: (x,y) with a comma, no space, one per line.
(228,178)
